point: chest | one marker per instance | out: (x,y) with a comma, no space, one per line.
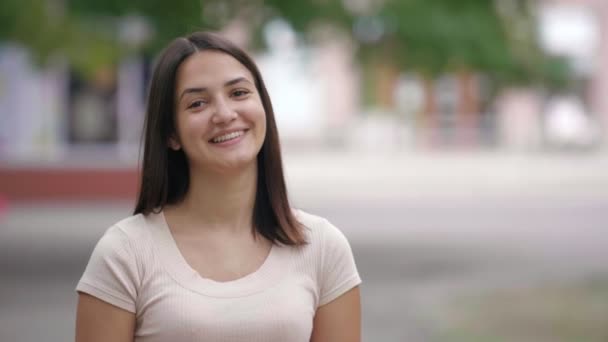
(283,312)
(224,260)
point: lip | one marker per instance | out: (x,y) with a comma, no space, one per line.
(228,131)
(229,142)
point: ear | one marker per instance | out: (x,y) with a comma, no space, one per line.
(173,143)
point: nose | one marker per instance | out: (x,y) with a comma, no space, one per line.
(223,112)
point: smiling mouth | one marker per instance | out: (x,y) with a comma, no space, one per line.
(227,137)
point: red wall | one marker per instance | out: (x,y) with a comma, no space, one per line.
(68,184)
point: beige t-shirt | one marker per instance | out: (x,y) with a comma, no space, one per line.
(137,266)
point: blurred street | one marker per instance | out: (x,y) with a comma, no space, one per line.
(426,230)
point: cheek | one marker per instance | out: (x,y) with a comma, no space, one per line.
(262,121)
(261,125)
(253,112)
(192,129)
(195,124)
(258,115)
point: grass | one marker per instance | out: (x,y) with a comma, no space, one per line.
(548,313)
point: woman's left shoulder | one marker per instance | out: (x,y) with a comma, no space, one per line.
(336,271)
(319,229)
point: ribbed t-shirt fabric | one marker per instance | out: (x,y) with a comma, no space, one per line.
(137,266)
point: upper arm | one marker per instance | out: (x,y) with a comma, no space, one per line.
(339,320)
(97,320)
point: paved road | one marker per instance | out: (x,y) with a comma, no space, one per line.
(411,254)
(415,249)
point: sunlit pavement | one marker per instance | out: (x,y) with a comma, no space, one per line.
(423,228)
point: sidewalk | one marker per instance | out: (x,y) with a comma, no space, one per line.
(343,175)
(350,173)
(353,181)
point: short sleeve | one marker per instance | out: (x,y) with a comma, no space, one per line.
(112,274)
(338,270)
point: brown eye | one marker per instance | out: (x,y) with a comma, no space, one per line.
(240,93)
(196,104)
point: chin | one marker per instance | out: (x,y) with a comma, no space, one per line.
(239,163)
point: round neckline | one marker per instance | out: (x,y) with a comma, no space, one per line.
(270,272)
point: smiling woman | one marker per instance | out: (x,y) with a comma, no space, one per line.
(214,251)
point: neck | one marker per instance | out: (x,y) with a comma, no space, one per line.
(220,200)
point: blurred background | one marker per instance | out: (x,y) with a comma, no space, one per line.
(459,145)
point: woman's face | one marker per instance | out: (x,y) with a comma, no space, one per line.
(220,119)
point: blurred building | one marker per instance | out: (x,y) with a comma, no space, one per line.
(578,30)
(63,136)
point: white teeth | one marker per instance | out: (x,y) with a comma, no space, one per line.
(228,136)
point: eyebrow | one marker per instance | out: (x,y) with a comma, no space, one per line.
(200,90)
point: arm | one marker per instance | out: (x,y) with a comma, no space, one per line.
(98,321)
(339,320)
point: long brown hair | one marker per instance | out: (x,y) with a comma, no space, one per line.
(165,173)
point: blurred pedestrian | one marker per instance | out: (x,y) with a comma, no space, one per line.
(214,251)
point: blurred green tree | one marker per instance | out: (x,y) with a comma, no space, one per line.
(33,23)
(431,37)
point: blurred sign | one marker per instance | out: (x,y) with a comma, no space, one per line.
(29,106)
(571,30)
(567,123)
(93,117)
(294,90)
(409,95)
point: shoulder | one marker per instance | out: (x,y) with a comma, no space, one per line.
(114,271)
(124,238)
(309,220)
(123,248)
(320,231)
(336,271)
(132,227)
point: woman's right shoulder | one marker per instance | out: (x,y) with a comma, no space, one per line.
(132,228)
(118,262)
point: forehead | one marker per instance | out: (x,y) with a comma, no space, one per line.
(209,69)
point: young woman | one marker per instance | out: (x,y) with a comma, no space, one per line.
(214,252)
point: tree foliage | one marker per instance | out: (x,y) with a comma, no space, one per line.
(428,36)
